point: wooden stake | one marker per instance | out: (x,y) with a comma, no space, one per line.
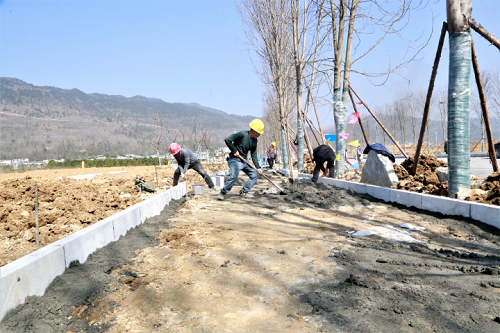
(317,117)
(484,108)
(381,125)
(480,30)
(359,119)
(36,212)
(425,117)
(312,127)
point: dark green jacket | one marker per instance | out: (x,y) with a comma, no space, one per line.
(242,143)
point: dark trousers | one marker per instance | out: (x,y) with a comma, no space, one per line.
(198,168)
(270,160)
(319,167)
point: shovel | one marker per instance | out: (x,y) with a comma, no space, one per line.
(263,175)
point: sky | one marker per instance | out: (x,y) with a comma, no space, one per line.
(189,51)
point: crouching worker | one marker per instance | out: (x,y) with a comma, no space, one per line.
(240,144)
(142,185)
(187,160)
(322,154)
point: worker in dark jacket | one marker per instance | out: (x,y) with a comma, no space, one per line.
(187,160)
(240,144)
(322,154)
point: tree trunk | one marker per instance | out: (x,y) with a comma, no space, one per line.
(458,13)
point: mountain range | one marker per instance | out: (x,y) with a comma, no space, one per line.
(43,122)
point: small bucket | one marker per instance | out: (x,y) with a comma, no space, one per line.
(198,189)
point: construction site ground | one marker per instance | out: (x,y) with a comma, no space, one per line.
(314,259)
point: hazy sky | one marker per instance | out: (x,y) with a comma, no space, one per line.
(185,51)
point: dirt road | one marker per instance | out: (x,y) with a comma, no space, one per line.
(313,260)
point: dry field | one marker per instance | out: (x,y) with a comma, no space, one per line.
(67,205)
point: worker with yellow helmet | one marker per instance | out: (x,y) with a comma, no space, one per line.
(240,144)
(271,154)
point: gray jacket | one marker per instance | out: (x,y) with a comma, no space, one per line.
(186,159)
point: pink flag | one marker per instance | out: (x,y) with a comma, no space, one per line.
(359,102)
(355,114)
(353,121)
(344,135)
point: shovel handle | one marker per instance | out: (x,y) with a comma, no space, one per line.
(263,175)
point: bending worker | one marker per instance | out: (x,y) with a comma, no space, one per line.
(322,154)
(240,144)
(187,160)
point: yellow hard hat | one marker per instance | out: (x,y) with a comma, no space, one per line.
(273,143)
(257,125)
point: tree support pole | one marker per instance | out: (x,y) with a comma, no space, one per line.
(381,125)
(480,30)
(428,99)
(312,127)
(317,117)
(484,108)
(359,119)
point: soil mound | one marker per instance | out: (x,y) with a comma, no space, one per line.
(425,180)
(492,186)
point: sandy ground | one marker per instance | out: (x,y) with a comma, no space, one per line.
(314,260)
(68,205)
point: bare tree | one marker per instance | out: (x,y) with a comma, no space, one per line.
(495,94)
(267,31)
(156,135)
(442,106)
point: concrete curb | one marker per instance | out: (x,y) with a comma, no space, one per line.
(488,214)
(33,273)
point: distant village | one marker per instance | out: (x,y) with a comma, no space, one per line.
(204,156)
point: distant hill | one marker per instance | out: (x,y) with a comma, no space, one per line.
(41,122)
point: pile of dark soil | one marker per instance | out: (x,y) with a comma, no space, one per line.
(425,180)
(312,196)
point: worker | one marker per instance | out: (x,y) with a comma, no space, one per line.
(271,154)
(187,160)
(142,185)
(347,157)
(322,154)
(240,144)
(359,153)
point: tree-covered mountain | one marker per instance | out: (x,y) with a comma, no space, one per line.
(41,122)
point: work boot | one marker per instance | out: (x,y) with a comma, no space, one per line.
(246,194)
(213,189)
(221,196)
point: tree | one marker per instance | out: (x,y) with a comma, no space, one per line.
(267,32)
(458,12)
(371,14)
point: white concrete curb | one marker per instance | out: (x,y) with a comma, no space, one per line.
(33,273)
(488,214)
